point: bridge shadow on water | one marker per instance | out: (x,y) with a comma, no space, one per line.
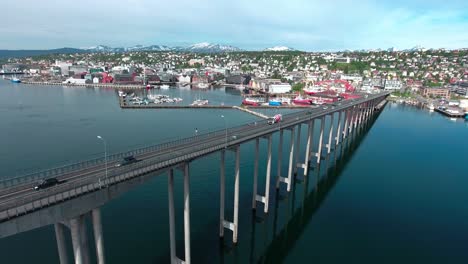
(299,217)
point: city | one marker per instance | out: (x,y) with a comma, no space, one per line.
(272,139)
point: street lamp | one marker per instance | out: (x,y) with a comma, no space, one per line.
(105,152)
(225,128)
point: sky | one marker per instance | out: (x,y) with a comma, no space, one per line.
(309,25)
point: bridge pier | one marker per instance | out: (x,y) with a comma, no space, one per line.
(256,197)
(318,154)
(338,130)
(310,133)
(345,126)
(291,161)
(61,244)
(172,239)
(330,134)
(77,227)
(233,226)
(98,237)
(280,157)
(297,149)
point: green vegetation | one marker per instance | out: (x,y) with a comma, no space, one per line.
(406,94)
(298,87)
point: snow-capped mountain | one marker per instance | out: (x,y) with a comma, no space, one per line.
(209,47)
(279,48)
(149,48)
(103,48)
(203,47)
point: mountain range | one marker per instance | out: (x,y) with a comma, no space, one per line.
(203,47)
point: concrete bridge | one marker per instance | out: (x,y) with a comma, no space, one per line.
(88,185)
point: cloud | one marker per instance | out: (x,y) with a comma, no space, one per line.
(306,25)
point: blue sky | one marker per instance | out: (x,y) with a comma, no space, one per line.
(310,25)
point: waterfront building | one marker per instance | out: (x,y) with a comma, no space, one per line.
(441,92)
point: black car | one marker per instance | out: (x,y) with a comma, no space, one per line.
(127,160)
(46,183)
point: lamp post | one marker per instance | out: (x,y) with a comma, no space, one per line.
(225,128)
(105,152)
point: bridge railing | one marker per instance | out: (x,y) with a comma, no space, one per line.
(63,170)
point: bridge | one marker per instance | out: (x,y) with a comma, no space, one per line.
(86,186)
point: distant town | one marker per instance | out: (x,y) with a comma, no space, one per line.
(417,74)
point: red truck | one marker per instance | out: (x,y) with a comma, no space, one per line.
(275,119)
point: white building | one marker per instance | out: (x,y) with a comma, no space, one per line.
(393,85)
(353,78)
(277,88)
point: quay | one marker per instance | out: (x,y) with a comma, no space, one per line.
(449,113)
(88,185)
(251,112)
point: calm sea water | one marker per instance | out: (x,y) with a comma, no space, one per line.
(396,193)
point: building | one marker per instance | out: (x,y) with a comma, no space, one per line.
(393,85)
(13,67)
(435,92)
(279,88)
(193,62)
(352,78)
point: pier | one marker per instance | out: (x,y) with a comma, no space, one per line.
(88,185)
(449,113)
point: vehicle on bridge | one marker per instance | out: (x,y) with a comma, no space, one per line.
(46,183)
(127,160)
(276,119)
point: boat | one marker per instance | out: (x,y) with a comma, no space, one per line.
(431,107)
(251,101)
(15,80)
(274,102)
(164,87)
(202,85)
(302,101)
(199,102)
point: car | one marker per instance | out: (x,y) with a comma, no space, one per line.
(325,107)
(46,183)
(127,160)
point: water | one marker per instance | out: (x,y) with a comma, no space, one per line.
(397,196)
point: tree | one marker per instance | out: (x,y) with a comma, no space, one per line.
(298,87)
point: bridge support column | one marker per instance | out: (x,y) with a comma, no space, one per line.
(172,239)
(291,160)
(338,131)
(222,195)
(170,188)
(330,134)
(236,196)
(266,198)
(254,196)
(78,240)
(320,143)
(353,119)
(346,121)
(187,212)
(310,133)
(280,157)
(233,226)
(297,149)
(98,237)
(61,246)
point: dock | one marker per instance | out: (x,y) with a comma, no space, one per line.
(251,112)
(450,114)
